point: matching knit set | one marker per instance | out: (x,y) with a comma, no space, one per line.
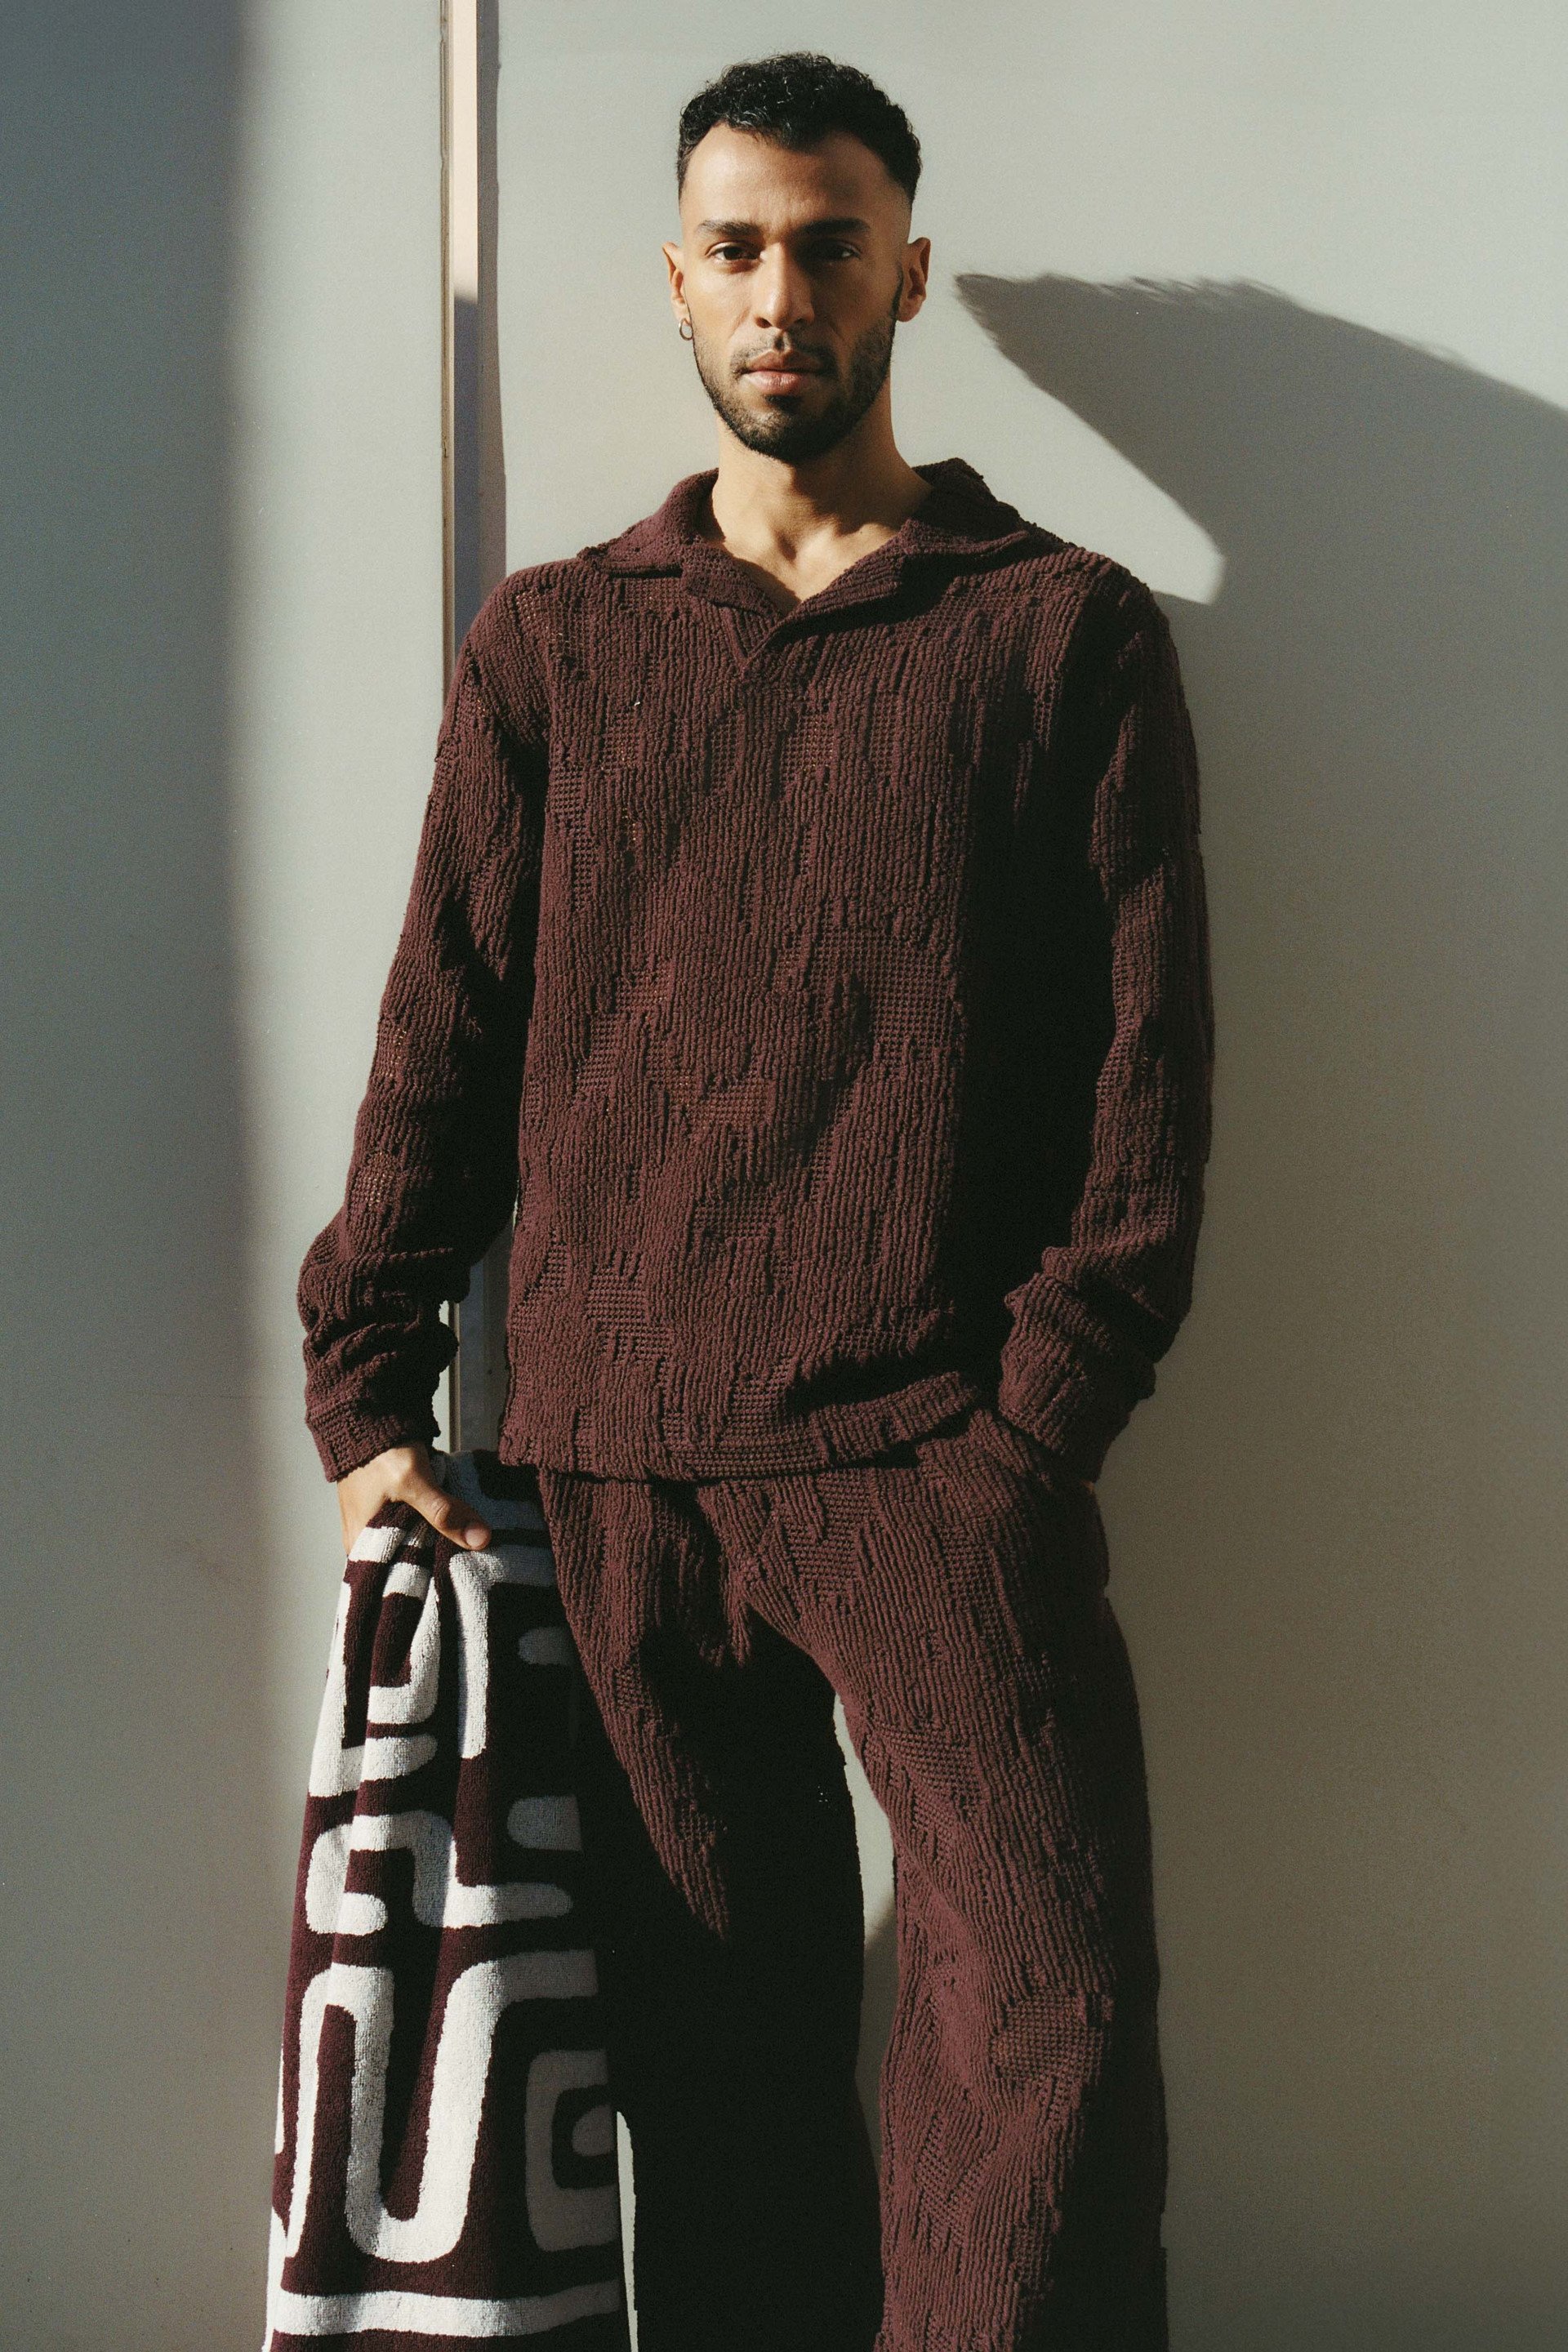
(829,991)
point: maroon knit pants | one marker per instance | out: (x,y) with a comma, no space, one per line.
(952,1591)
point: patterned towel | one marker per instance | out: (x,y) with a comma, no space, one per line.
(446,2152)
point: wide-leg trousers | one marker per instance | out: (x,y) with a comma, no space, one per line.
(952,1590)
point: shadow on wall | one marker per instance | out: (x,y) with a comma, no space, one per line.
(142,1969)
(1338,1532)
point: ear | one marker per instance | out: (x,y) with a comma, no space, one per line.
(675,258)
(917,276)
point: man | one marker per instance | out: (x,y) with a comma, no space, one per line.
(809,913)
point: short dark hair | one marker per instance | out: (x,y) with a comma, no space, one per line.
(798,98)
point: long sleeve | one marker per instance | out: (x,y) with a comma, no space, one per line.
(434,1170)
(1091,1324)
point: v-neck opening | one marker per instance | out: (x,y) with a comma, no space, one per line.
(710,570)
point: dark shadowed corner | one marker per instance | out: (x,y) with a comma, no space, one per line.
(1337,1533)
(143,1981)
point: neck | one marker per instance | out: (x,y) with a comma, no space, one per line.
(861,490)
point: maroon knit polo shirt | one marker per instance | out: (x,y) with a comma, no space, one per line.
(831,990)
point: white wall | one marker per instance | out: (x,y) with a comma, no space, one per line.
(221,646)
(1267,303)
(136,1602)
(337,668)
(1335,1530)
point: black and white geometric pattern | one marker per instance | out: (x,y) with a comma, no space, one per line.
(446,2165)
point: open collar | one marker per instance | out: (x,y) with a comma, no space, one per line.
(961,522)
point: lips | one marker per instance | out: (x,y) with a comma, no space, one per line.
(788,363)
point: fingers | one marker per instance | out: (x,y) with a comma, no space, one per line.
(402,1474)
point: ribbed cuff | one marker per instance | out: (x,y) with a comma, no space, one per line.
(1066,1394)
(346,1440)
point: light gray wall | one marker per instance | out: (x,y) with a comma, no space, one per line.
(220,563)
(337,677)
(135,1910)
(1267,303)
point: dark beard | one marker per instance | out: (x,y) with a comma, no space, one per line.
(775,433)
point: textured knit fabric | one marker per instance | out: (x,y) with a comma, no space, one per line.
(952,1592)
(445,2169)
(830,985)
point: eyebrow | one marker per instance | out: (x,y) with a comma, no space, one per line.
(811,228)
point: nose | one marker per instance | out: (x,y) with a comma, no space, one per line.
(781,290)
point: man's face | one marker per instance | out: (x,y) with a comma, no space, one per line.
(804,258)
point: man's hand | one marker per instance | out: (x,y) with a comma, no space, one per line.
(402,1474)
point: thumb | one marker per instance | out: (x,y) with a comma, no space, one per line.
(456,1521)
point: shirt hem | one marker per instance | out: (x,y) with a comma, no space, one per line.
(550,1435)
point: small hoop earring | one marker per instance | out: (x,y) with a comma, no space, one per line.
(686,335)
